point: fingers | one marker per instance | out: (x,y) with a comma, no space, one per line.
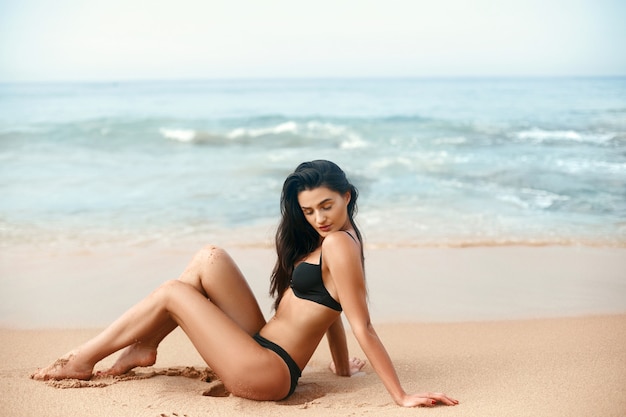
(428,399)
(440,397)
(358,362)
(418,401)
(444,399)
(356,365)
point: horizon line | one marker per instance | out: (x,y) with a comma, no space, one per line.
(305,78)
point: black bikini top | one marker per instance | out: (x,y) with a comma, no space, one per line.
(306,283)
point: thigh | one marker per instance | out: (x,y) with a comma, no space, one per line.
(247,369)
(214,274)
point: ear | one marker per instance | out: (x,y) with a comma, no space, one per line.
(347,196)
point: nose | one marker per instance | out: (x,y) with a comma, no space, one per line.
(320,217)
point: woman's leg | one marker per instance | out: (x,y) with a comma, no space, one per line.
(246,369)
(211,273)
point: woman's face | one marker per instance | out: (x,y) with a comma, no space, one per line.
(326,210)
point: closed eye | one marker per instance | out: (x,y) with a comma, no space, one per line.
(308,210)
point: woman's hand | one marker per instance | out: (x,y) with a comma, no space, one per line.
(426,399)
(355,365)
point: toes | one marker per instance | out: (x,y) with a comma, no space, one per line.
(40,375)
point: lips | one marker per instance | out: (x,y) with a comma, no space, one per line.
(325,228)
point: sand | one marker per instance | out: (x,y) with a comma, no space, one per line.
(507,331)
(549,367)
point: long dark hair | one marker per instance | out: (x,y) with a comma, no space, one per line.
(295,237)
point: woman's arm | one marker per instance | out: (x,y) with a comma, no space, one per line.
(343,260)
(341,364)
(336,336)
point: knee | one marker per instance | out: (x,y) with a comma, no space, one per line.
(170,289)
(172,295)
(211,265)
(209,253)
(201,259)
(211,258)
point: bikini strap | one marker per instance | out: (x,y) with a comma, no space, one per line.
(349,234)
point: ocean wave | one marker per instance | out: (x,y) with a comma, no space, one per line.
(282,128)
(530,198)
(537,135)
(521,197)
(407,118)
(283,134)
(179,135)
(593,166)
(353,141)
(23,129)
(349,138)
(422,161)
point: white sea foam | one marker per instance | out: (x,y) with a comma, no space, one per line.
(310,130)
(539,135)
(525,197)
(584,165)
(441,158)
(531,198)
(179,135)
(287,127)
(329,129)
(427,161)
(353,141)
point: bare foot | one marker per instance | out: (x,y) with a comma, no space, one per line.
(67,367)
(135,355)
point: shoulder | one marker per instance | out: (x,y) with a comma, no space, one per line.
(340,244)
(341,257)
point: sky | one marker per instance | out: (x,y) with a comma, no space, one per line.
(89,40)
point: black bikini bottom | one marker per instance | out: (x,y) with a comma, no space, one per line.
(294,370)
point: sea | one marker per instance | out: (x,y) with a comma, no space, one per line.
(437,161)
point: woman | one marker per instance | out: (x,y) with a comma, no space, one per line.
(318,274)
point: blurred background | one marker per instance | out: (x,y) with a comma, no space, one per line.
(462,123)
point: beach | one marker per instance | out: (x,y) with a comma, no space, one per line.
(508,331)
(492,211)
